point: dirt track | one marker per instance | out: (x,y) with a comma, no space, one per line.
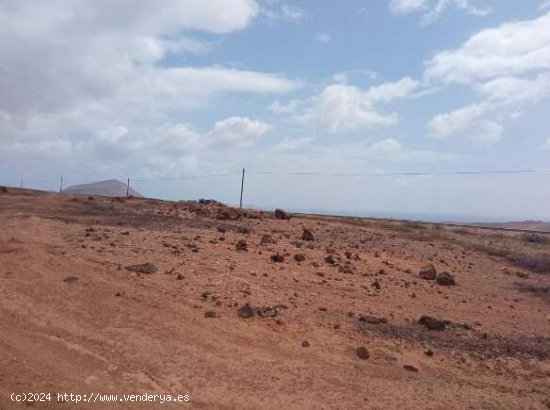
(74,319)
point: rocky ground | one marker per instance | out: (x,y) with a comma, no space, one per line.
(244,309)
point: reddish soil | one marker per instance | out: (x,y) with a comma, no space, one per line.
(74,319)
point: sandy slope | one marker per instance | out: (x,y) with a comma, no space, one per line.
(112,330)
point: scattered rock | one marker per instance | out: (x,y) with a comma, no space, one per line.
(277,258)
(432,323)
(70,279)
(299,257)
(211,314)
(373,320)
(280,214)
(428,272)
(429,352)
(445,279)
(271,311)
(242,245)
(410,368)
(362,353)
(305,343)
(522,275)
(267,239)
(307,235)
(330,260)
(180,277)
(245,311)
(376,284)
(146,268)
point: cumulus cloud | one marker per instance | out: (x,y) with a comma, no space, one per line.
(515,48)
(342,107)
(432,9)
(236,132)
(73,68)
(507,66)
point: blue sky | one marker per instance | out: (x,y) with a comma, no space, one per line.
(109,89)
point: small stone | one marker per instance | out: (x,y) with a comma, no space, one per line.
(242,245)
(362,353)
(428,272)
(280,214)
(180,277)
(211,314)
(278,258)
(70,279)
(146,268)
(266,239)
(245,311)
(299,257)
(445,279)
(330,260)
(429,352)
(410,368)
(307,235)
(377,285)
(305,343)
(432,323)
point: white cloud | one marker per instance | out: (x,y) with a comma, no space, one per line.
(515,48)
(275,10)
(292,144)
(73,67)
(342,107)
(236,132)
(546,145)
(507,66)
(432,9)
(458,121)
(278,107)
(545,5)
(407,6)
(344,76)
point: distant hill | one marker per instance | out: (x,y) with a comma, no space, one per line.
(111,188)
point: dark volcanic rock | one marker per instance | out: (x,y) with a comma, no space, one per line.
(428,272)
(362,353)
(146,268)
(242,245)
(211,314)
(432,323)
(280,214)
(70,279)
(410,368)
(330,260)
(277,258)
(305,343)
(267,239)
(307,235)
(299,257)
(445,279)
(245,311)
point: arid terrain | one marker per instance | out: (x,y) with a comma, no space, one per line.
(242,310)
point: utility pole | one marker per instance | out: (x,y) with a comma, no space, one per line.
(242,188)
(61,186)
(128,189)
